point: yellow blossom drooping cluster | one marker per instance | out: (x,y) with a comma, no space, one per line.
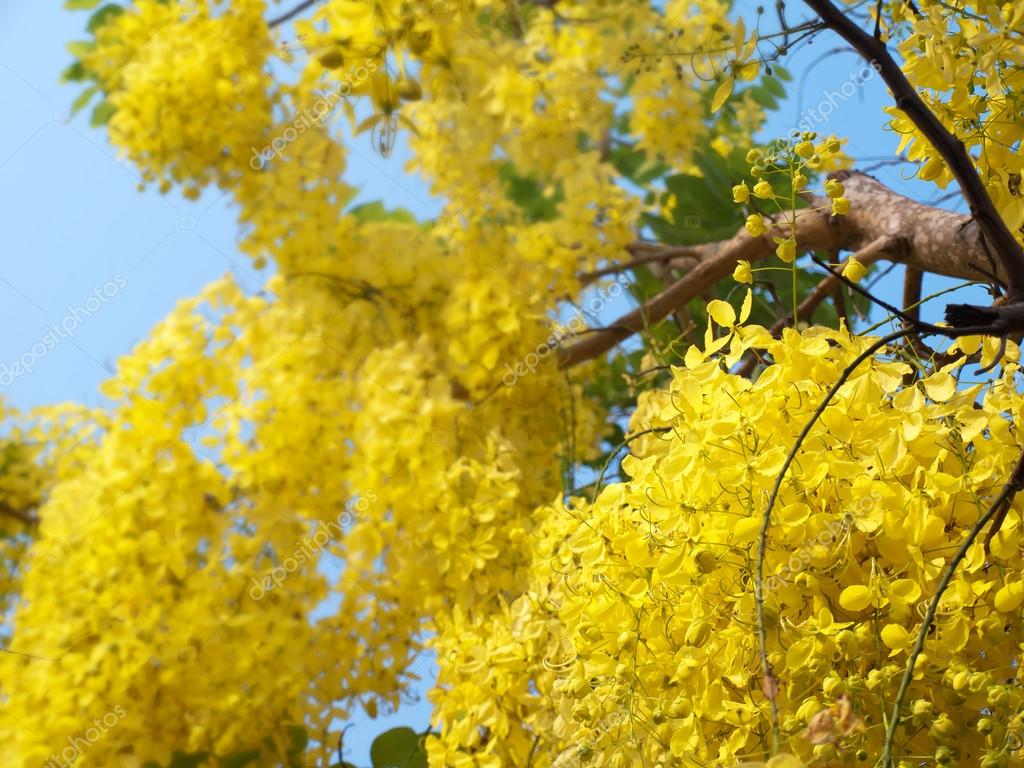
(653,580)
(787,161)
(965,60)
(189,88)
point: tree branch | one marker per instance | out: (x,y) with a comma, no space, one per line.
(701,277)
(882,223)
(949,147)
(659,256)
(289,15)
(913,280)
(20,515)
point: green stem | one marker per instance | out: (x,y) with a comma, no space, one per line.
(762,545)
(1005,497)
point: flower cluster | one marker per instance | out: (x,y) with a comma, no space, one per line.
(964,66)
(653,580)
(189,88)
(789,163)
(619,628)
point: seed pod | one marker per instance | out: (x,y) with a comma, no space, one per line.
(332,59)
(698,633)
(409,89)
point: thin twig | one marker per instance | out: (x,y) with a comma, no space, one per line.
(949,147)
(612,454)
(762,545)
(913,280)
(291,14)
(660,257)
(1002,502)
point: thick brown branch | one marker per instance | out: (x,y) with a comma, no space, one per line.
(881,224)
(703,276)
(913,281)
(950,148)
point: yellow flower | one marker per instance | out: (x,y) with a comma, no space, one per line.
(834,188)
(786,249)
(854,270)
(741,193)
(763,189)
(755,224)
(804,149)
(840,206)
(743,273)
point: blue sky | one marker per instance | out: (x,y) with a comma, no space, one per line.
(81,247)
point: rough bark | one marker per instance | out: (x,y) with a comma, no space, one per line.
(881,223)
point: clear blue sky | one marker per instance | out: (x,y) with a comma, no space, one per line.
(74,221)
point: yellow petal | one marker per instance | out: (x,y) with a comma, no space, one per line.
(748,302)
(1009,597)
(746,530)
(895,636)
(855,598)
(940,387)
(722,313)
(723,92)
(784,760)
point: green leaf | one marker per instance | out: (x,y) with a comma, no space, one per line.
(704,210)
(763,96)
(635,165)
(80,5)
(102,113)
(79,48)
(83,98)
(782,73)
(398,748)
(75,73)
(103,15)
(376,211)
(774,86)
(239,759)
(644,284)
(528,194)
